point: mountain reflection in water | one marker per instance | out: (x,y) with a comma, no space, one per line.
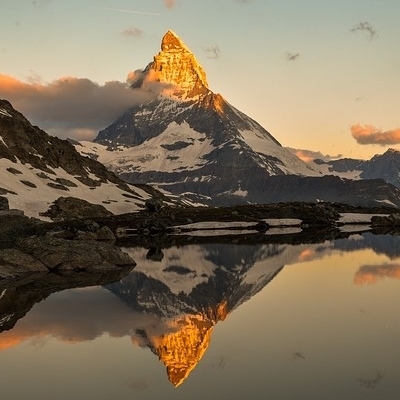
(175,296)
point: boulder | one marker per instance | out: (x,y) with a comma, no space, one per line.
(65,208)
(78,255)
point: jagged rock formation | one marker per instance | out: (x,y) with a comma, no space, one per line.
(190,141)
(177,65)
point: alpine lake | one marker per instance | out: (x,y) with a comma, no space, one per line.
(219,317)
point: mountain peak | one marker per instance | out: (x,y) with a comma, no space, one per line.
(172,41)
(176,64)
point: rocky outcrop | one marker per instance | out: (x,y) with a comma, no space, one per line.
(14,224)
(67,208)
(51,254)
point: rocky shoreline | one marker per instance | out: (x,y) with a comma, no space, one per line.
(85,238)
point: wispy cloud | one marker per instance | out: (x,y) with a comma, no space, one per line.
(368,134)
(75,107)
(364,27)
(170,3)
(121,10)
(213,51)
(292,56)
(132,31)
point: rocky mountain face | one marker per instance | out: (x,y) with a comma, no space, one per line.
(190,141)
(384,166)
(37,169)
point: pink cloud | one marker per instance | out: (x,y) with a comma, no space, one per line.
(170,3)
(309,155)
(368,134)
(371,274)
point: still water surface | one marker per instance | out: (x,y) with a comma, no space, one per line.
(220,321)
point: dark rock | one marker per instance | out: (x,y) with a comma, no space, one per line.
(65,208)
(155,254)
(14,224)
(4,203)
(262,226)
(393,220)
(104,233)
(154,205)
(77,255)
(57,186)
(14,171)
(66,182)
(27,183)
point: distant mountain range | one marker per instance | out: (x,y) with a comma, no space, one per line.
(384,166)
(191,142)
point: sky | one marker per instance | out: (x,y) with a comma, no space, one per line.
(322,76)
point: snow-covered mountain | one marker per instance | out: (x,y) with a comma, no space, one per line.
(384,166)
(191,142)
(190,139)
(37,169)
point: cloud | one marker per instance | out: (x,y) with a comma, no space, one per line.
(121,10)
(133,31)
(364,27)
(292,56)
(212,52)
(170,3)
(368,134)
(371,274)
(76,107)
(308,155)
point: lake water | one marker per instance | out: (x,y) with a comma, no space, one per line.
(218,321)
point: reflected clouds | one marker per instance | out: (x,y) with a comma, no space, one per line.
(371,274)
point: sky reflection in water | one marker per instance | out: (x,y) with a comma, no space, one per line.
(226,321)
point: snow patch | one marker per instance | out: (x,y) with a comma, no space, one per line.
(38,196)
(179,146)
(5,113)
